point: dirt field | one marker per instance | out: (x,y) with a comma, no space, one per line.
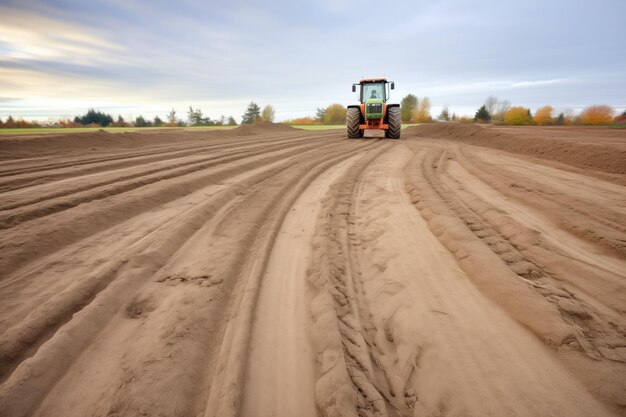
(268,271)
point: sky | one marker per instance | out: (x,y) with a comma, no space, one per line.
(60,57)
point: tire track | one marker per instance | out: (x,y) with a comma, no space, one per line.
(53,313)
(152,262)
(127,200)
(280,350)
(229,371)
(148,149)
(347,384)
(593,221)
(426,319)
(570,322)
(46,316)
(40,175)
(169,169)
(508,239)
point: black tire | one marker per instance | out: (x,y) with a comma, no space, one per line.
(395,123)
(353,118)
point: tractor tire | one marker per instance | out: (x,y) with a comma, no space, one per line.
(353,118)
(395,123)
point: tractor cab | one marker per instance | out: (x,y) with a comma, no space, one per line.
(374,112)
(374,89)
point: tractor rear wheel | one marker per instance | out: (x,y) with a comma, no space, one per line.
(395,123)
(353,117)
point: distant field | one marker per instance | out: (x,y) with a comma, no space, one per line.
(41,130)
(59,130)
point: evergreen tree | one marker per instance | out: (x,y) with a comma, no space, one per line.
(444,115)
(253,112)
(195,118)
(482,114)
(199,120)
(561,119)
(95,117)
(232,121)
(140,122)
(320,114)
(157,121)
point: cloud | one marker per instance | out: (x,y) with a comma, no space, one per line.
(301,55)
(537,83)
(26,36)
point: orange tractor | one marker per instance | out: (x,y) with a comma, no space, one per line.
(374,112)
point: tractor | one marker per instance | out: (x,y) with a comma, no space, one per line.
(373,112)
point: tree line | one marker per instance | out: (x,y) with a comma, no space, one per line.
(494,110)
(334,114)
(97,118)
(412,110)
(255,114)
(501,112)
(195,117)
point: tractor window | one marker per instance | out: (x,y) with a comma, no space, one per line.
(373,90)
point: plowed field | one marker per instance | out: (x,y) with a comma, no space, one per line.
(269,271)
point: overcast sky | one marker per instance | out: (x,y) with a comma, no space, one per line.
(60,57)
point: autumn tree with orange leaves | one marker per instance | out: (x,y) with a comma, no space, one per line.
(597,115)
(543,116)
(421,113)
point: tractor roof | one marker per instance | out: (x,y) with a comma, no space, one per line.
(372,80)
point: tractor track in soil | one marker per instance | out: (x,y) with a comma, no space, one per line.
(271,271)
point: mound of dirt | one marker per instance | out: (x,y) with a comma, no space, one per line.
(27,146)
(67,141)
(598,157)
(261,127)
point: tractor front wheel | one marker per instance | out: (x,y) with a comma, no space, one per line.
(353,118)
(395,123)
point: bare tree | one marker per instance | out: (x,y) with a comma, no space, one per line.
(569,114)
(421,114)
(491,104)
(268,113)
(171,118)
(501,108)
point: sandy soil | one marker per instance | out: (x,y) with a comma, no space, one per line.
(268,271)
